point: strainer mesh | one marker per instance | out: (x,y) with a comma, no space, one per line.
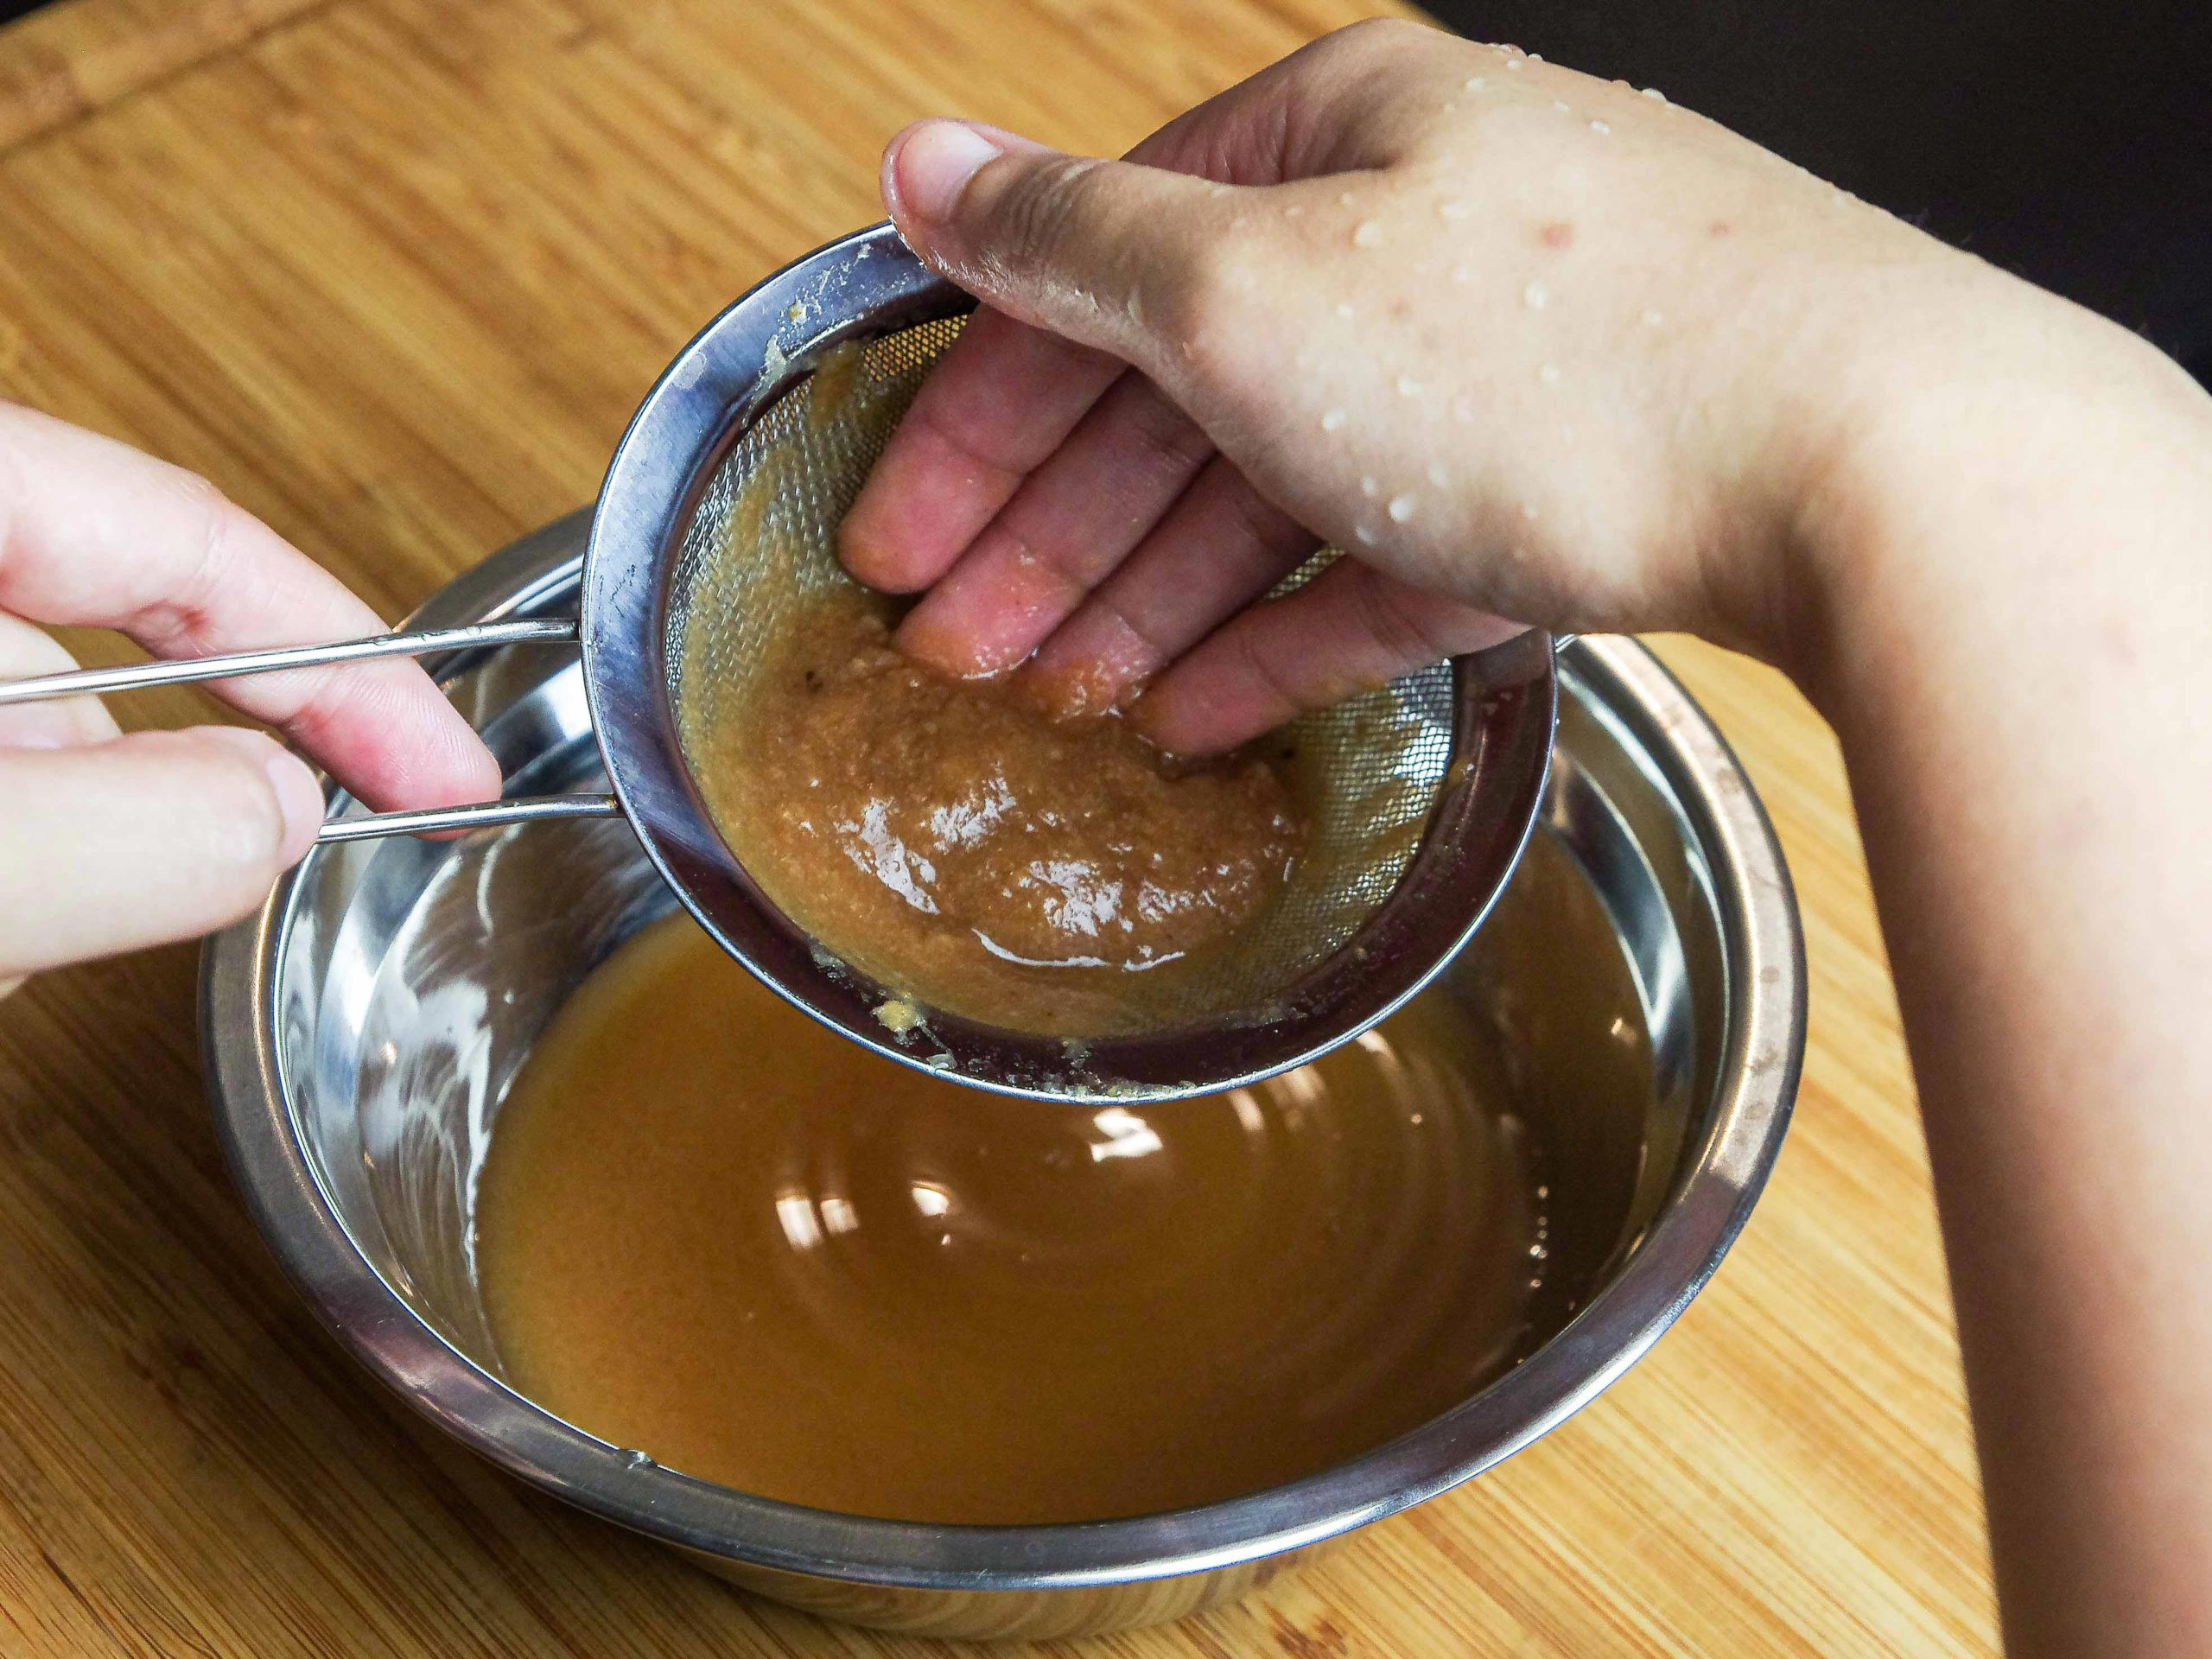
(762,540)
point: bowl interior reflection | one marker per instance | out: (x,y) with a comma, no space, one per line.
(416,977)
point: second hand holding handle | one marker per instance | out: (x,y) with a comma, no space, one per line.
(541,631)
(186,670)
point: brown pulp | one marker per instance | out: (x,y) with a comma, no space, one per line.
(957,845)
(712,1231)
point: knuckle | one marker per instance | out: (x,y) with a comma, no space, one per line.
(1153,644)
(1049,205)
(1372,41)
(1263,526)
(213,518)
(1272,677)
(1169,443)
(1373,34)
(1211,304)
(201,503)
(1398,625)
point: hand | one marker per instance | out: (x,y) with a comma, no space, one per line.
(1531,345)
(1527,343)
(110,842)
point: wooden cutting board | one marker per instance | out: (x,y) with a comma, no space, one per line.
(395,273)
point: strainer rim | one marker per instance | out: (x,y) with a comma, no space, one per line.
(726,377)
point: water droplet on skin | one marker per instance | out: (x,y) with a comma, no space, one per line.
(1343,308)
(1367,234)
(1401,508)
(1653,319)
(1548,374)
(1653,92)
(1436,474)
(1535,57)
(1534,296)
(1452,209)
(1599,128)
(1332,421)
(1407,386)
(1367,486)
(1364,536)
(1559,105)
(1528,511)
(1293,210)
(1345,199)
(1476,83)
(1840,199)
(1514,64)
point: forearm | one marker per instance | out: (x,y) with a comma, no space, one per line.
(2016,649)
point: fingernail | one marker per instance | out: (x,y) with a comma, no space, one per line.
(300,798)
(933,166)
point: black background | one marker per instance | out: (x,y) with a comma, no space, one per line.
(2069,142)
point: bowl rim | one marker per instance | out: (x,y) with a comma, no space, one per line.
(1763,955)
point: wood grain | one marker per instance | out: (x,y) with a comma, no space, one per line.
(66,60)
(395,273)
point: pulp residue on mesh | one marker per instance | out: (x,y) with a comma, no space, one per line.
(955,845)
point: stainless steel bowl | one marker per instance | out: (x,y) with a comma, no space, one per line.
(1645,970)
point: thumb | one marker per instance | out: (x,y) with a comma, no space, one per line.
(1099,252)
(143,839)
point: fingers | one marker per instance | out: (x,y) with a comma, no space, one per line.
(1097,252)
(142,839)
(1006,394)
(94,532)
(26,653)
(1219,548)
(1074,521)
(995,407)
(1351,629)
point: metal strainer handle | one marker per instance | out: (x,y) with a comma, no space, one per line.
(533,631)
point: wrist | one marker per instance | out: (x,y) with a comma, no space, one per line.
(2006,461)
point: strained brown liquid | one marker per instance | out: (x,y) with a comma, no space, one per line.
(713,1231)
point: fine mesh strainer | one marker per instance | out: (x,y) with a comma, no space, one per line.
(718,517)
